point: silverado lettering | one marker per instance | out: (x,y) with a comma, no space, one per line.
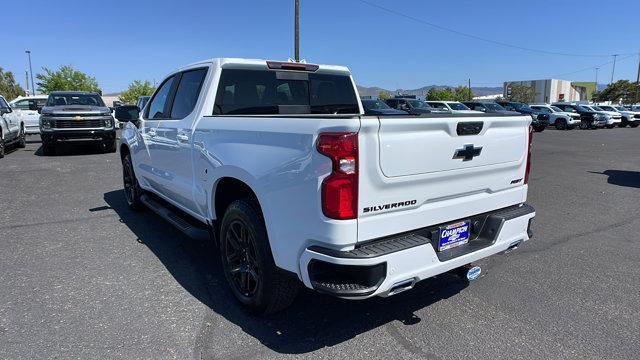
(390,206)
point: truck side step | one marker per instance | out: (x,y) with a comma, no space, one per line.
(192,230)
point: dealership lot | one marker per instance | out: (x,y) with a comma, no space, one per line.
(84,277)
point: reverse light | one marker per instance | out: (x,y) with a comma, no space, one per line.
(340,188)
(529,144)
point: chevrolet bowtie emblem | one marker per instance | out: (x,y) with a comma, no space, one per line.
(77,117)
(468,152)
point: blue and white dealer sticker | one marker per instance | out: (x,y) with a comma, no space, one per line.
(453,235)
(473,273)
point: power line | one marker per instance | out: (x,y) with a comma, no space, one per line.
(476,37)
(593,67)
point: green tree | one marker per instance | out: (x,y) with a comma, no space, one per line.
(624,90)
(444,94)
(66,78)
(136,89)
(462,93)
(522,93)
(8,86)
(383,95)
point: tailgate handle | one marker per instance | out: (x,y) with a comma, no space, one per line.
(469,128)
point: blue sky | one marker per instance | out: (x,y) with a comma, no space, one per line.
(120,41)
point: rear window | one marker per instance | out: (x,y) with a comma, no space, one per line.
(256,92)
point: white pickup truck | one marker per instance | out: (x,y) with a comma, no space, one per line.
(277,161)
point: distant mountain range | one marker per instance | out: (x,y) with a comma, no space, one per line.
(374,90)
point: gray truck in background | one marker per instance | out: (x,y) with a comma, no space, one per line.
(75,116)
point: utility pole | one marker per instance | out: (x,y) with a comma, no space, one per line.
(613,70)
(470,95)
(637,98)
(33,87)
(597,78)
(297,32)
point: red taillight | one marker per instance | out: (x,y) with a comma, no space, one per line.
(340,189)
(528,169)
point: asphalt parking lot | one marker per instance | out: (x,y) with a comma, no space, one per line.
(81,276)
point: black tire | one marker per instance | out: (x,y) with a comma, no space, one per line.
(22,139)
(48,149)
(561,124)
(248,264)
(624,122)
(132,190)
(610,126)
(108,146)
(538,128)
(634,124)
(1,147)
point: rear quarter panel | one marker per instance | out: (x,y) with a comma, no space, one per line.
(277,158)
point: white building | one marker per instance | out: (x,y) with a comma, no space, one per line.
(551,90)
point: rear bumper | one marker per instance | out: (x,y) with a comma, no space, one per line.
(387,266)
(78,135)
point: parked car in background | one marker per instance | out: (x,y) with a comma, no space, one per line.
(379,107)
(27,108)
(275,159)
(142,101)
(409,105)
(589,119)
(487,107)
(562,120)
(539,120)
(451,107)
(71,116)
(12,128)
(613,118)
(630,118)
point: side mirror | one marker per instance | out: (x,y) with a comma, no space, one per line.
(126,113)
(33,106)
(5,110)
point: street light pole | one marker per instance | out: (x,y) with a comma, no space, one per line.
(297,32)
(33,87)
(26,78)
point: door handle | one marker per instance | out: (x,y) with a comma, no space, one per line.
(182,138)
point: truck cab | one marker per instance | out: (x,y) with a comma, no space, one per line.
(28,108)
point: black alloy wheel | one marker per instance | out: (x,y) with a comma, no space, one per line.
(241,258)
(132,190)
(22,142)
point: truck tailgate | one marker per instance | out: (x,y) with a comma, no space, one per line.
(421,171)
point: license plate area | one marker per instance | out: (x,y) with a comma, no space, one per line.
(454,235)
